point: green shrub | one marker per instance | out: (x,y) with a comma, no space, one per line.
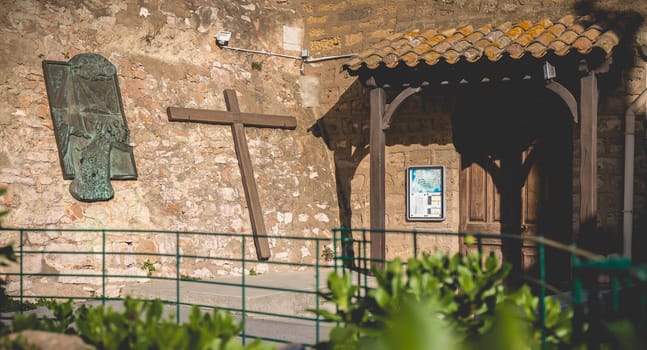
(141,325)
(17,343)
(61,322)
(6,255)
(446,301)
(3,191)
(149,267)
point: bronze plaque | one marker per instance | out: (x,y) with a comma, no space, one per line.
(90,126)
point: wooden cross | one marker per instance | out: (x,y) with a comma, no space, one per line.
(238,120)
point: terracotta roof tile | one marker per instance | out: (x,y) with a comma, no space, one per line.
(436,39)
(545,38)
(582,44)
(472,54)
(410,58)
(462,45)
(493,53)
(465,30)
(537,50)
(421,49)
(515,50)
(488,42)
(593,32)
(556,29)
(568,36)
(475,35)
(607,41)
(448,32)
(482,44)
(515,32)
(567,20)
(431,57)
(443,46)
(559,47)
(452,56)
(429,33)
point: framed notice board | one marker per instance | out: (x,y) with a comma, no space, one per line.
(426,193)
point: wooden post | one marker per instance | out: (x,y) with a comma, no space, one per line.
(588,154)
(381,115)
(238,121)
(377,173)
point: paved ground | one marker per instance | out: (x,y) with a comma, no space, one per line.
(285,293)
(276,303)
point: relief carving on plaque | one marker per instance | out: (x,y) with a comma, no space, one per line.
(90,125)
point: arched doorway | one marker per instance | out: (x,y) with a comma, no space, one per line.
(516,175)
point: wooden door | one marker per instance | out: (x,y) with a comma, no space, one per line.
(480,204)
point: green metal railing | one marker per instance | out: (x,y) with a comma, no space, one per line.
(107,250)
(106,261)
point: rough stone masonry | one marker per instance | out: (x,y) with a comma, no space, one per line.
(188,176)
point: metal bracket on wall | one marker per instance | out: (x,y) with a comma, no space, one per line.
(222,41)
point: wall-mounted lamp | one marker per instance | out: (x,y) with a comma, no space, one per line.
(549,71)
(222,38)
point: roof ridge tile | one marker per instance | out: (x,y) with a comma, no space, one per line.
(429,33)
(465,30)
(393,36)
(504,27)
(448,32)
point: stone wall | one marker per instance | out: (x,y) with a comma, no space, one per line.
(188,174)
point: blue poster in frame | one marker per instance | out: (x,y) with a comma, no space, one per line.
(426,193)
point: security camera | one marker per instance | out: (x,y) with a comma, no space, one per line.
(222,38)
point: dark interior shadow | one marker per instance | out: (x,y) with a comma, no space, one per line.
(521,134)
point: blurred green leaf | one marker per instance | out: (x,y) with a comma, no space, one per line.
(463,295)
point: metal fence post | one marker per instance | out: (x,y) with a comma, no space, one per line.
(22,292)
(103,267)
(364,261)
(415,243)
(243,296)
(317,266)
(334,249)
(578,301)
(177,277)
(542,293)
